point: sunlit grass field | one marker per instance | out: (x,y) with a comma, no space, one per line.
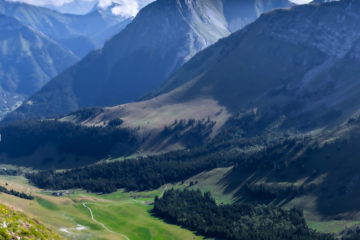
(122,213)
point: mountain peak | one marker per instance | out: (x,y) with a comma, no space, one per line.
(161,38)
(289,68)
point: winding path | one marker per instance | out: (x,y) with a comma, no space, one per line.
(105,227)
(102,224)
(162,194)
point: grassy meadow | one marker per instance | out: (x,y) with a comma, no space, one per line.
(122,213)
(129,213)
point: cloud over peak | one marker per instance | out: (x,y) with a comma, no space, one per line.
(126,8)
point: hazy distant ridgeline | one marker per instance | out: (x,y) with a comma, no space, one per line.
(28,59)
(36,44)
(79,33)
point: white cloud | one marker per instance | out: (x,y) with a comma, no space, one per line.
(126,8)
(105,3)
(301,1)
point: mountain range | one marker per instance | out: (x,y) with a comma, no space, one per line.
(284,89)
(38,43)
(162,37)
(270,113)
(79,33)
(291,71)
(29,59)
(281,79)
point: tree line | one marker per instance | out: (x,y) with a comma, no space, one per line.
(150,172)
(138,174)
(199,212)
(16,193)
(22,139)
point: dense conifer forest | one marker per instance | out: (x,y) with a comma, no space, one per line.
(16,193)
(68,138)
(154,171)
(140,174)
(199,212)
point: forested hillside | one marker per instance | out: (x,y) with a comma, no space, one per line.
(53,144)
(200,213)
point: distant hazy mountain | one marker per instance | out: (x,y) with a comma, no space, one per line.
(39,43)
(163,36)
(28,59)
(79,33)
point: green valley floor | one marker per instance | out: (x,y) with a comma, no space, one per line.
(127,215)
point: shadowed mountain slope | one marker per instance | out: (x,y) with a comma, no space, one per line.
(292,71)
(282,63)
(161,38)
